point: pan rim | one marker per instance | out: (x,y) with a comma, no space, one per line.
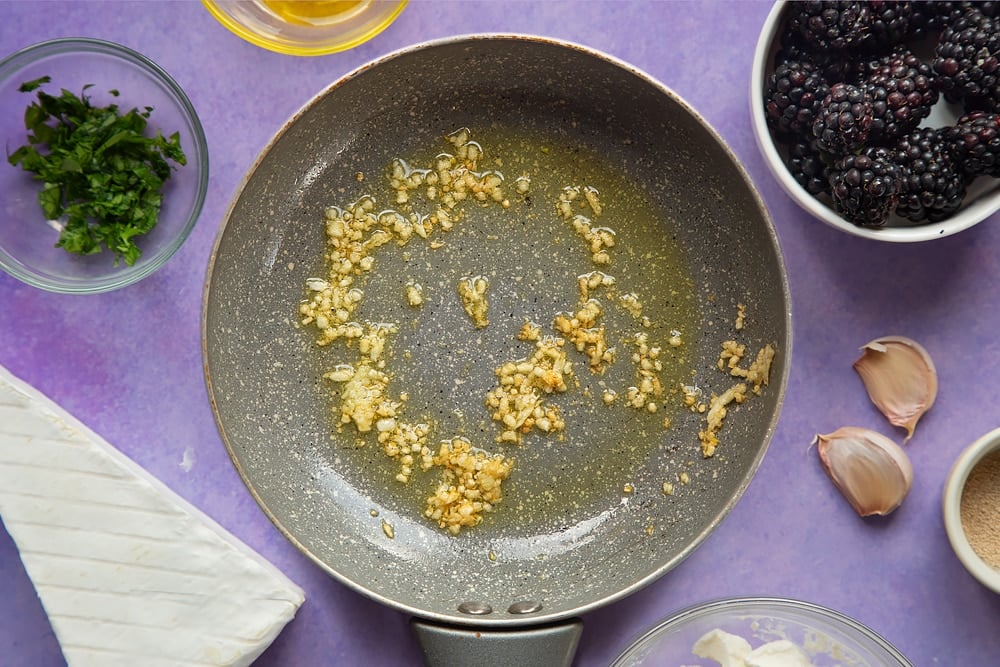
(542,617)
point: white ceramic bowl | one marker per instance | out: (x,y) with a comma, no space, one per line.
(987,575)
(982,200)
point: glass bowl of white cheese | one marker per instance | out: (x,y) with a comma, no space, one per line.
(760,632)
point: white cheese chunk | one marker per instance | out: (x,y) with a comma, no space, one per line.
(128,572)
(724,648)
(731,650)
(779,653)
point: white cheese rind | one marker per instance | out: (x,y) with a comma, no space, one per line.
(128,572)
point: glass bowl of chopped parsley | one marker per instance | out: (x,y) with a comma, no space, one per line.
(105,170)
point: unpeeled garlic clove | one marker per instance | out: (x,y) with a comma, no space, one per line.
(872,471)
(900,378)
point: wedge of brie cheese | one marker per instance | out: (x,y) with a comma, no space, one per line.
(128,572)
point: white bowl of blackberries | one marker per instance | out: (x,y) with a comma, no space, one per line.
(882,118)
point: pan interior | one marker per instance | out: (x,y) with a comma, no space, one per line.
(585,516)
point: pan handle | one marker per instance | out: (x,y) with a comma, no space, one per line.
(540,646)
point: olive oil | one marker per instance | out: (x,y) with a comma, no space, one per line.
(533,258)
(315,12)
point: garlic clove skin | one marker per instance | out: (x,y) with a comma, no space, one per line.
(900,379)
(869,469)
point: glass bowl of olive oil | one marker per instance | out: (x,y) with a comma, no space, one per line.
(306,27)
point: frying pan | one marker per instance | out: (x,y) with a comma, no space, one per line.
(585,519)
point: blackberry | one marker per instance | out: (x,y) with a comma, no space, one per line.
(834,67)
(975,143)
(933,182)
(902,92)
(844,119)
(808,167)
(925,20)
(794,92)
(892,21)
(967,61)
(936,14)
(832,25)
(865,187)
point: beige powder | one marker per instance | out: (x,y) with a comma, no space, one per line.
(980,509)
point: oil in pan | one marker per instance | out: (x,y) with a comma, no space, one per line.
(536,255)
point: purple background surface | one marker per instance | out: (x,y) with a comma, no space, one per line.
(128,363)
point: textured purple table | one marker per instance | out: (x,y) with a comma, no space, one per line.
(129,363)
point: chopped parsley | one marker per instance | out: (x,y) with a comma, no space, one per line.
(102,176)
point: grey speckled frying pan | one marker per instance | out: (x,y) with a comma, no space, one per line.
(584,519)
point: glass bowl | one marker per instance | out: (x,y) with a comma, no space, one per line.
(27,238)
(828,637)
(305,27)
(983,195)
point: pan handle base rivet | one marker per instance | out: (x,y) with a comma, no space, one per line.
(524,607)
(475,608)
